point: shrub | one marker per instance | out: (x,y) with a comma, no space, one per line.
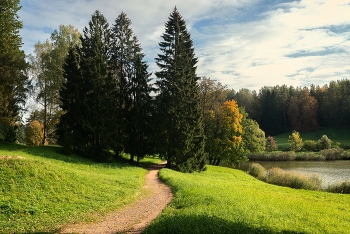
(7,133)
(34,133)
(332,154)
(295,142)
(256,170)
(309,156)
(342,187)
(310,145)
(345,146)
(345,155)
(271,144)
(280,177)
(273,156)
(324,143)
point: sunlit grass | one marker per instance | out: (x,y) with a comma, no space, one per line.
(341,135)
(224,200)
(45,189)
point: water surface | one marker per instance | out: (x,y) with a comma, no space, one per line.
(329,171)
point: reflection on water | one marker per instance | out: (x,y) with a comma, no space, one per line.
(329,171)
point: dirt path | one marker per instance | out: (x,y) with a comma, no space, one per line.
(133,218)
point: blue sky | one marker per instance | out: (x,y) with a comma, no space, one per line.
(241,43)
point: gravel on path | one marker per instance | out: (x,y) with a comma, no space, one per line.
(135,217)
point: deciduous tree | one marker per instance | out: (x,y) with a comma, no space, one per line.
(295,141)
(47,71)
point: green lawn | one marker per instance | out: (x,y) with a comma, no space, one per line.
(341,135)
(224,200)
(46,189)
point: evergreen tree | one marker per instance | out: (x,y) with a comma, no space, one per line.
(99,84)
(130,73)
(72,128)
(13,80)
(182,134)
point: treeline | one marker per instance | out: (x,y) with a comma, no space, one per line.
(280,109)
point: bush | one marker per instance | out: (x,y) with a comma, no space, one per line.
(345,155)
(332,154)
(324,143)
(311,156)
(256,170)
(342,187)
(34,133)
(310,145)
(7,133)
(273,156)
(345,146)
(280,177)
(271,144)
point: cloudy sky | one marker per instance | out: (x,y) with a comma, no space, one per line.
(241,43)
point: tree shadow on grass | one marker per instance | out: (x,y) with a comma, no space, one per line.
(202,224)
(56,153)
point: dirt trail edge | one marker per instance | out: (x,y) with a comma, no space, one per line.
(135,217)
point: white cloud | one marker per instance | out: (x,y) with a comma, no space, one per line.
(294,43)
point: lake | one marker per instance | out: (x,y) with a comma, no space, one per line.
(329,171)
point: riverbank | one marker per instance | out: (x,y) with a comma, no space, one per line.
(224,200)
(330,172)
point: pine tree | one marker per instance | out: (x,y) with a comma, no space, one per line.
(179,109)
(133,91)
(13,80)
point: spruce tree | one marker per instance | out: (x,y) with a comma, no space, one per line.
(13,79)
(182,135)
(133,90)
(95,71)
(72,128)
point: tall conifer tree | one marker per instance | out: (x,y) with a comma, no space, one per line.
(13,79)
(179,109)
(71,128)
(130,73)
(95,71)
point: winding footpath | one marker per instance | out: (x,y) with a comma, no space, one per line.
(135,217)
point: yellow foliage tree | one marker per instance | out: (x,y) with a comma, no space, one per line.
(34,133)
(226,142)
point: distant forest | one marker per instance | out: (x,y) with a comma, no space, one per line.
(280,109)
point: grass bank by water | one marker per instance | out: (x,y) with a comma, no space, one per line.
(224,200)
(41,189)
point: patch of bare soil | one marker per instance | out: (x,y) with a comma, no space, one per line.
(133,218)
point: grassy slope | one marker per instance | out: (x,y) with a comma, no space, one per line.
(341,135)
(47,189)
(223,200)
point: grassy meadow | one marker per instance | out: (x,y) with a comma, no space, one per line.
(341,135)
(42,189)
(224,200)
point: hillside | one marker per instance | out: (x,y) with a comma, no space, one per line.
(42,189)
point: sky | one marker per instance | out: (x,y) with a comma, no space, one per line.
(240,43)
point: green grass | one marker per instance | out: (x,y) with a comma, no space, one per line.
(224,200)
(341,135)
(46,189)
